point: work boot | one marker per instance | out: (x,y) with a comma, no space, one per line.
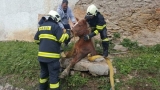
(43,86)
(105,45)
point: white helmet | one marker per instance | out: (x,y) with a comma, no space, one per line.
(55,16)
(92,10)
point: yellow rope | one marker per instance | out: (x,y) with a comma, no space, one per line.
(108,61)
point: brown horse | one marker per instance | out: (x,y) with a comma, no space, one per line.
(81,48)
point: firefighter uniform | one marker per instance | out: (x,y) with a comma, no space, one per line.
(98,25)
(49,37)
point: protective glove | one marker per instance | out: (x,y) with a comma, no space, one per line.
(68,31)
(86,37)
(64,30)
(89,36)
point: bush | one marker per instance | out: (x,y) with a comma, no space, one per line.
(128,43)
(116,35)
(76,81)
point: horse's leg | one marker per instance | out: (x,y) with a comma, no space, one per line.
(72,63)
(71,53)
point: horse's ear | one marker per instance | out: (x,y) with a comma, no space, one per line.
(77,19)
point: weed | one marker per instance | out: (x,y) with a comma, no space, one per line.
(128,43)
(76,81)
(116,35)
(70,46)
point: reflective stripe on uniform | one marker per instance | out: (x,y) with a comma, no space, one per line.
(63,37)
(106,39)
(43,80)
(44,28)
(48,36)
(36,41)
(53,86)
(100,27)
(96,32)
(49,55)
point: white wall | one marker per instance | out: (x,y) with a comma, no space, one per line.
(19,18)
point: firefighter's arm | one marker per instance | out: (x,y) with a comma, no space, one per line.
(92,34)
(61,35)
(98,28)
(36,37)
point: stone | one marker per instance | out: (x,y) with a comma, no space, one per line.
(82,65)
(98,45)
(117,80)
(137,0)
(120,48)
(98,67)
(148,1)
(1,87)
(8,87)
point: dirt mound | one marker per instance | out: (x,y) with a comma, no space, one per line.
(138,20)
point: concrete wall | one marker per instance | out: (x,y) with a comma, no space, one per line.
(19,18)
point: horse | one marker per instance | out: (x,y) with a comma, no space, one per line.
(84,48)
(81,48)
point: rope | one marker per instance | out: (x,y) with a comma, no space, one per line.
(109,63)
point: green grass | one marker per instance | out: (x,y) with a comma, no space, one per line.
(116,35)
(74,82)
(130,44)
(18,62)
(143,64)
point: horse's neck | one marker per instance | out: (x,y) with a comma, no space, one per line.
(81,39)
(86,32)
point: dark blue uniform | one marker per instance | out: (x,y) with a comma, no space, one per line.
(98,25)
(49,37)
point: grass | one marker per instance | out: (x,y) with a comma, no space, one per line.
(18,61)
(143,65)
(137,70)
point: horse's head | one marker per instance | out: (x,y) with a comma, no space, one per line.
(80,28)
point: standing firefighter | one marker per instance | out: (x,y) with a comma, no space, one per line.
(66,13)
(49,37)
(98,25)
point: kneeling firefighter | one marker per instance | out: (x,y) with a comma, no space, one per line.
(98,25)
(49,38)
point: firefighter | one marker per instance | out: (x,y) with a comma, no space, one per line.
(98,25)
(49,37)
(66,13)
